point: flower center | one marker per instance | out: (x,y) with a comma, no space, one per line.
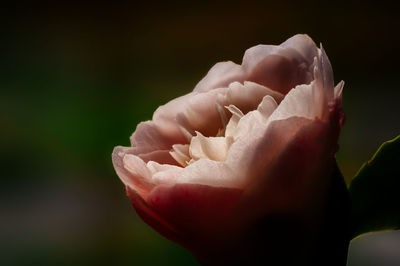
(213,148)
(216,148)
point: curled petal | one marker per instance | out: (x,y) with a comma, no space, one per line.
(220,75)
(132,171)
(256,120)
(214,148)
(149,136)
(181,153)
(300,102)
(280,68)
(234,120)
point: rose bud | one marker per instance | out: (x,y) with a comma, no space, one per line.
(242,169)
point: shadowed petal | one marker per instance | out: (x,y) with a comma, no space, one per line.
(198,210)
(279,67)
(298,177)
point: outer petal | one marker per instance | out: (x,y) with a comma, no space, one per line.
(137,178)
(280,68)
(150,136)
(201,212)
(250,156)
(298,177)
(294,188)
(150,217)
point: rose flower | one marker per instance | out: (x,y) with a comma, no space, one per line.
(241,169)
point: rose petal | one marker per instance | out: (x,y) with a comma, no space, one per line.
(214,148)
(234,120)
(159,156)
(298,177)
(180,153)
(194,113)
(150,217)
(304,45)
(198,210)
(154,167)
(280,72)
(327,71)
(248,157)
(208,172)
(220,75)
(132,171)
(307,100)
(257,119)
(247,96)
(149,136)
(280,68)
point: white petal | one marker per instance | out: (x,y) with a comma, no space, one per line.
(180,153)
(234,120)
(256,120)
(209,172)
(214,148)
(249,157)
(299,102)
(338,91)
(222,114)
(163,173)
(155,167)
(327,72)
(168,176)
(267,106)
(127,171)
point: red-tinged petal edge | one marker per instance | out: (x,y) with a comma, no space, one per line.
(202,212)
(150,217)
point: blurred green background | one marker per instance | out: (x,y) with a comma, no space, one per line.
(77,78)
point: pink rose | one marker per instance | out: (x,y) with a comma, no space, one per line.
(245,160)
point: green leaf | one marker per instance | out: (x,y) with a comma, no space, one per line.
(375,191)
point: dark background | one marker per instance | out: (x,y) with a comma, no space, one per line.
(76,78)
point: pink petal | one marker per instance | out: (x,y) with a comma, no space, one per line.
(200,112)
(247,96)
(220,75)
(133,173)
(201,212)
(304,45)
(149,137)
(208,172)
(250,156)
(297,178)
(301,102)
(280,68)
(150,217)
(280,72)
(159,156)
